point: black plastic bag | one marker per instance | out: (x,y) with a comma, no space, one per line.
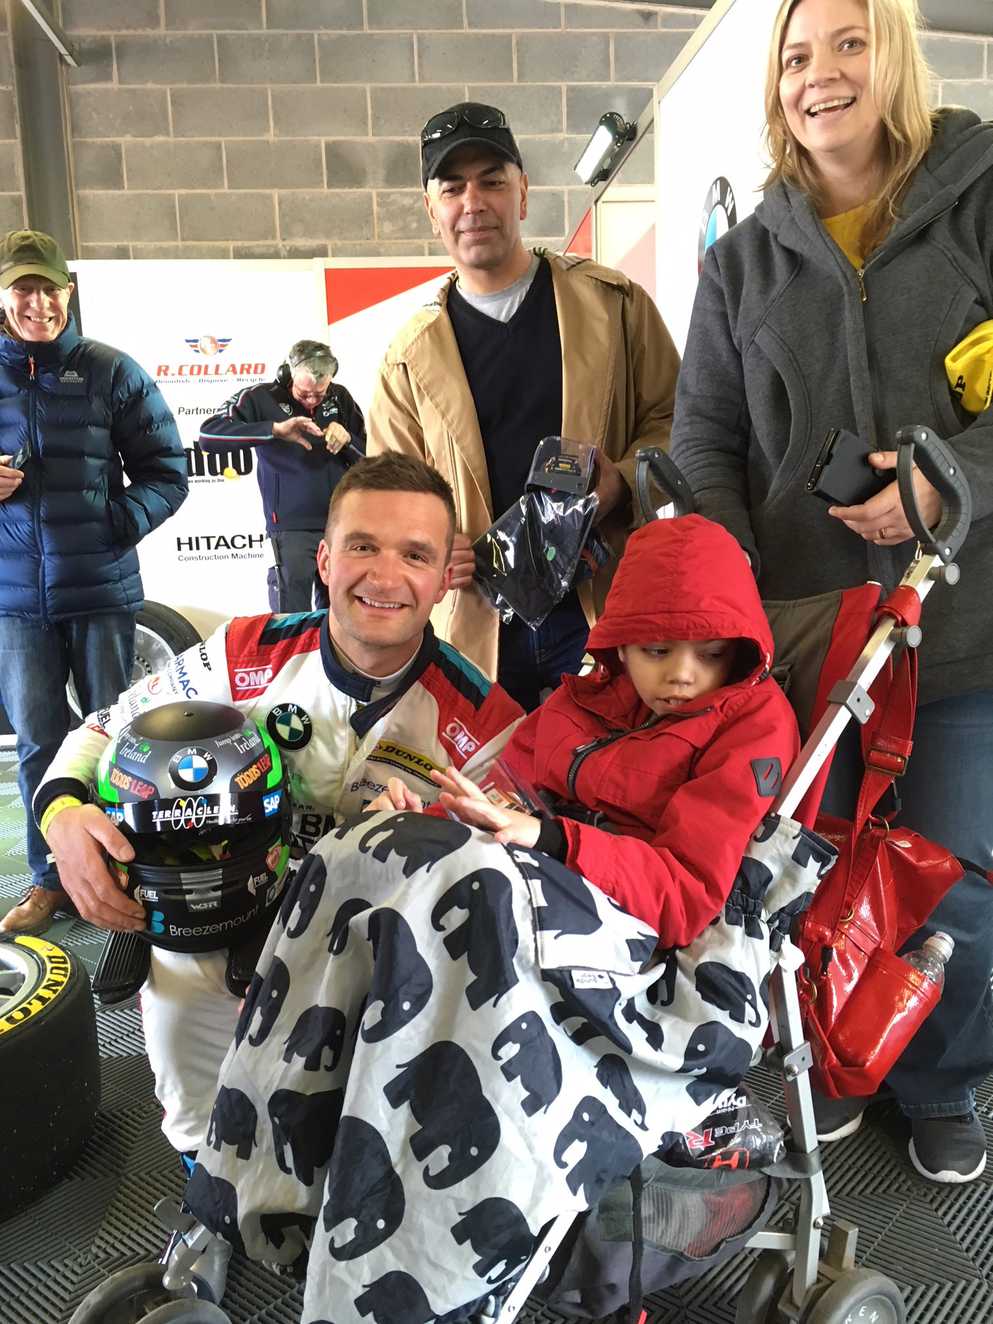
(742,1133)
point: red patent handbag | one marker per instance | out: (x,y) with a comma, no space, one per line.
(862,1004)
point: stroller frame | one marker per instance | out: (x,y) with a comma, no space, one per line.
(787,1284)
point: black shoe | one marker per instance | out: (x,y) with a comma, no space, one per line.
(836,1118)
(948,1149)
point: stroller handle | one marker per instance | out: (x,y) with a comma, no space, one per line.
(918,445)
(653,462)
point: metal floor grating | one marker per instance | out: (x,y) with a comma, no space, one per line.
(936,1242)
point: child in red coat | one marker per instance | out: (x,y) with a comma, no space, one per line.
(659,765)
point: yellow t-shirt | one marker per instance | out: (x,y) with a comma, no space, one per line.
(846,231)
(969,366)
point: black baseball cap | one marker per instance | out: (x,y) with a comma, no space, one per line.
(462,124)
(32,253)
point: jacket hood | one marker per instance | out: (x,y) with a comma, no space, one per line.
(682,578)
(961,150)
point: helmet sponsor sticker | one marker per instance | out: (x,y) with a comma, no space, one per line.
(253,773)
(192,768)
(289,726)
(187,813)
(128,782)
(271,802)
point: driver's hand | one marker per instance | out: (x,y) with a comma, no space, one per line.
(81,838)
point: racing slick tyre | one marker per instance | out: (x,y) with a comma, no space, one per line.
(160,633)
(49,1066)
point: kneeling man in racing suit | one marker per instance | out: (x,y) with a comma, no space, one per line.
(353,697)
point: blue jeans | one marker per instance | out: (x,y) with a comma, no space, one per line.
(534,660)
(35,663)
(947,796)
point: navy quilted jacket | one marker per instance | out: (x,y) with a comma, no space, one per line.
(88,415)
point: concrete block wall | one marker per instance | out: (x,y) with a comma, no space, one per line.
(284,128)
(260,128)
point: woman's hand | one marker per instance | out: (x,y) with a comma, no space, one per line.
(396,796)
(881,519)
(466,801)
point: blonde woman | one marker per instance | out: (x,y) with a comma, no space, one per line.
(834,306)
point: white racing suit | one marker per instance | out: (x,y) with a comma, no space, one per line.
(341,736)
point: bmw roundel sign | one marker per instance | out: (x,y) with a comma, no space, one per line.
(719,214)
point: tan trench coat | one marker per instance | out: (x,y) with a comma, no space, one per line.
(619,369)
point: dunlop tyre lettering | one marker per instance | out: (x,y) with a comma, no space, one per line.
(49,1065)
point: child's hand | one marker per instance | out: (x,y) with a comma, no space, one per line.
(466,801)
(396,796)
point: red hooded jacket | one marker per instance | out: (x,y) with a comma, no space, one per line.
(683,795)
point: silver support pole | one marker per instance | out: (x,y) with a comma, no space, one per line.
(43,120)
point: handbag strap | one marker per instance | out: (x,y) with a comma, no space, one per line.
(887,737)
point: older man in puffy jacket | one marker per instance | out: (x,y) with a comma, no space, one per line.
(76,417)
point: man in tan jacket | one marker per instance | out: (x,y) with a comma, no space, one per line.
(517,346)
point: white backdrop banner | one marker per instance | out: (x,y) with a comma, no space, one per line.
(710,160)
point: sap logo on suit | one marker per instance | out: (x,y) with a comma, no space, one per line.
(487,937)
(458,1118)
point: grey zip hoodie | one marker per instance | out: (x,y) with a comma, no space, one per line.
(782,347)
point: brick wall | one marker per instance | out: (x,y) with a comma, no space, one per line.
(262,128)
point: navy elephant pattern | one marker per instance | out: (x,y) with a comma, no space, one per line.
(449,1042)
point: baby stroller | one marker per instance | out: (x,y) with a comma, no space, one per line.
(785,1285)
(805,1274)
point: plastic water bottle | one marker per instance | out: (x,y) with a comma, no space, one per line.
(930,959)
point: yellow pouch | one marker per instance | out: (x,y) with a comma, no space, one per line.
(970,369)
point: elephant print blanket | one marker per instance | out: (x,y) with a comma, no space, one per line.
(448,1042)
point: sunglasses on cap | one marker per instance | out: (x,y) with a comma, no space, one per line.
(476,116)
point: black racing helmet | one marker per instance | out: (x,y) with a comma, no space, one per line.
(200,792)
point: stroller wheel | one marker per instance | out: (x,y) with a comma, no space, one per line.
(759,1298)
(136,1295)
(858,1295)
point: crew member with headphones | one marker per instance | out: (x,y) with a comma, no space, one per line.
(308,430)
